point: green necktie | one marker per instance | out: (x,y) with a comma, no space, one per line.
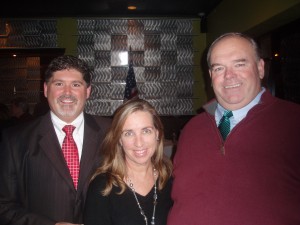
(224,125)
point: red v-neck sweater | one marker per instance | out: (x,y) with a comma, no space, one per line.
(253,178)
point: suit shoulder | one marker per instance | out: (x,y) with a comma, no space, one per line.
(101,121)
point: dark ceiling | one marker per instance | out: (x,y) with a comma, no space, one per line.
(106,8)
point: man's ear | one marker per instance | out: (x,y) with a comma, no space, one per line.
(88,91)
(45,89)
(261,68)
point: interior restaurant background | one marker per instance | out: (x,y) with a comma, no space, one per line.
(168,53)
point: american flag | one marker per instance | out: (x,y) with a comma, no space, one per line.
(130,89)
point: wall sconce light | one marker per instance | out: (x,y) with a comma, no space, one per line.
(131,7)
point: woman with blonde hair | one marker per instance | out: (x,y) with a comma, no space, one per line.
(133,183)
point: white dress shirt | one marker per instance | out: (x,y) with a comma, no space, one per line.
(77,133)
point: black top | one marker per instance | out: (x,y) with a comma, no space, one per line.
(116,209)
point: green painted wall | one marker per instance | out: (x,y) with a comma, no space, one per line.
(67,35)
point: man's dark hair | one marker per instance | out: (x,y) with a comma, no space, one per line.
(68,62)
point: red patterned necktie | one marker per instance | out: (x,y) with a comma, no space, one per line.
(70,152)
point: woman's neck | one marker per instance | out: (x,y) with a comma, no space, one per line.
(141,177)
(140,171)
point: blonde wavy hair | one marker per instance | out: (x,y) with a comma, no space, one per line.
(113,159)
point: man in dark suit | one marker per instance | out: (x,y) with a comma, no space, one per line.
(36,187)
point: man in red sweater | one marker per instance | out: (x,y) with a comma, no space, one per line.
(251,175)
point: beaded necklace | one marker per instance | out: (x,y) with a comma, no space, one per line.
(154,198)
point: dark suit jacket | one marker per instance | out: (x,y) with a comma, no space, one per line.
(35,184)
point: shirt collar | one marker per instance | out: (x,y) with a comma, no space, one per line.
(239,113)
(59,124)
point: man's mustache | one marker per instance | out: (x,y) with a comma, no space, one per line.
(67,97)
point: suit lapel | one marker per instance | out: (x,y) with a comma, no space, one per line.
(93,136)
(50,146)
